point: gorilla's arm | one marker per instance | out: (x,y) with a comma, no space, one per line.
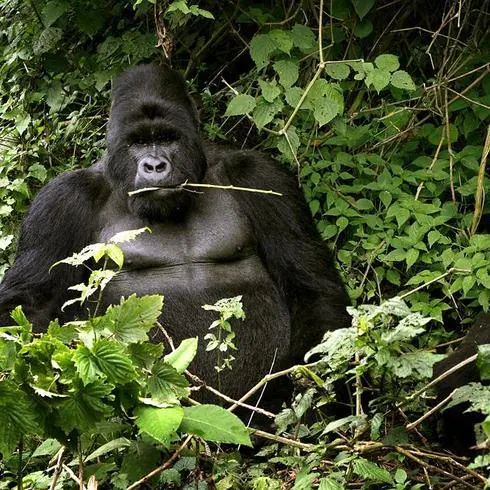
(60,222)
(294,254)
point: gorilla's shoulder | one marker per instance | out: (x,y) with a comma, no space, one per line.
(77,192)
(248,165)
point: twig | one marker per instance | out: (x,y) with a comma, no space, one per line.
(438,278)
(201,383)
(480,186)
(163,467)
(283,440)
(270,377)
(409,455)
(57,469)
(433,410)
(450,371)
(73,476)
(207,186)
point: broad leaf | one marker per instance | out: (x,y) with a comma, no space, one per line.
(159,423)
(241,104)
(214,423)
(181,357)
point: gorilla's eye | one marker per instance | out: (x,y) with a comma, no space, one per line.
(166,136)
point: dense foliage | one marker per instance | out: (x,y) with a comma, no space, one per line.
(382,108)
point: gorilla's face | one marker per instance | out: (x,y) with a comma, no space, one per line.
(153,142)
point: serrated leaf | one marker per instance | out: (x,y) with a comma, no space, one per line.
(412,257)
(362,7)
(130,321)
(371,471)
(214,423)
(401,79)
(159,423)
(416,364)
(47,40)
(112,360)
(241,104)
(378,78)
(270,90)
(288,72)
(128,235)
(261,47)
(283,145)
(181,357)
(86,365)
(387,62)
(85,406)
(338,71)
(303,37)
(265,112)
(49,447)
(293,95)
(330,484)
(483,361)
(52,11)
(282,40)
(108,447)
(166,385)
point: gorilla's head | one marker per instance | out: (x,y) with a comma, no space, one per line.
(153,141)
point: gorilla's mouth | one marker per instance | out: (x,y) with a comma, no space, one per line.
(159,190)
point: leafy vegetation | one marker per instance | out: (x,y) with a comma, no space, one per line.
(382,108)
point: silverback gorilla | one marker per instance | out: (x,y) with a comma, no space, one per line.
(203,246)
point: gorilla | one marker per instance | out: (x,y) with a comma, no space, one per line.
(204,245)
(457,424)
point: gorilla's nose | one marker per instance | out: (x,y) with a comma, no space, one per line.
(153,170)
(151,165)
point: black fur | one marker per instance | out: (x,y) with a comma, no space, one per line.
(204,245)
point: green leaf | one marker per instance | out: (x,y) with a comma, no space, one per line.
(371,471)
(282,39)
(85,406)
(159,423)
(52,11)
(166,385)
(330,484)
(264,112)
(411,257)
(483,361)
(130,321)
(363,29)
(401,79)
(181,357)
(214,423)
(110,446)
(303,37)
(18,416)
(49,447)
(47,40)
(86,365)
(112,359)
(128,235)
(416,364)
(288,72)
(362,7)
(241,104)
(261,47)
(378,78)
(387,62)
(270,90)
(293,95)
(338,71)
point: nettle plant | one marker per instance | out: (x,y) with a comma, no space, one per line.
(98,387)
(395,196)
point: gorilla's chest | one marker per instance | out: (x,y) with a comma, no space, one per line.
(212,231)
